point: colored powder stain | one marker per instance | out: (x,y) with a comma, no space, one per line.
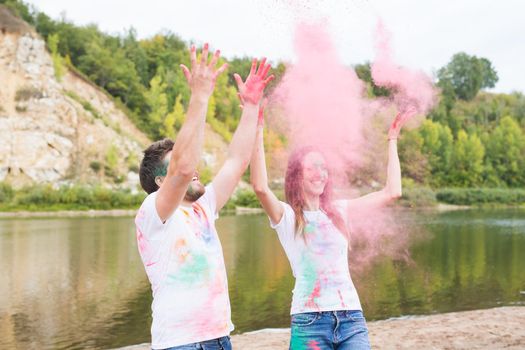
(141,241)
(297,342)
(309,228)
(193,271)
(204,231)
(341,298)
(161,170)
(181,250)
(311,282)
(316,293)
(313,345)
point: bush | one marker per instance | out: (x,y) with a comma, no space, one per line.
(418,197)
(95,166)
(27,93)
(470,196)
(6,192)
(246,198)
(45,197)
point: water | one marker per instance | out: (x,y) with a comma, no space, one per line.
(71,283)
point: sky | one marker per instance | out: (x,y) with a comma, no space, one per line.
(425,33)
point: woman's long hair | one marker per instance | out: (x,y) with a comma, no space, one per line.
(293,190)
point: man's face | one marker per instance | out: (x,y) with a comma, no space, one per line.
(195,188)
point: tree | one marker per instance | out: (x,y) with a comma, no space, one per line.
(58,63)
(364,73)
(414,161)
(467,161)
(158,104)
(437,146)
(465,75)
(173,121)
(506,152)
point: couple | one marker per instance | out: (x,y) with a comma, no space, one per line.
(180,248)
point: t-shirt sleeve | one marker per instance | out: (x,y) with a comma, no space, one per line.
(209,201)
(286,226)
(148,221)
(341,205)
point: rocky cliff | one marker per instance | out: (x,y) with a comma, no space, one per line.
(66,130)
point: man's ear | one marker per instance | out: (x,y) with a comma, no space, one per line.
(158,180)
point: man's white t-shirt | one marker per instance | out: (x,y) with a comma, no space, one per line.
(319,263)
(185,266)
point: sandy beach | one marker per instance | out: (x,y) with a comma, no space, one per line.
(498,328)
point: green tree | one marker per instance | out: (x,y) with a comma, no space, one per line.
(414,162)
(467,161)
(174,119)
(437,146)
(364,73)
(506,152)
(158,105)
(58,63)
(466,75)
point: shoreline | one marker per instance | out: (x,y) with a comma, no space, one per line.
(494,328)
(68,213)
(440,207)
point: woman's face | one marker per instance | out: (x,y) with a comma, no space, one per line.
(315,174)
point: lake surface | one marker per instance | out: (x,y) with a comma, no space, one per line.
(76,283)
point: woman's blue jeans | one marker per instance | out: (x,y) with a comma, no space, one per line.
(338,330)
(222,343)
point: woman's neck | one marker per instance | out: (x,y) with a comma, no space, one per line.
(311,203)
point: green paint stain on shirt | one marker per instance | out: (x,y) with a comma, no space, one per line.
(309,228)
(309,274)
(195,270)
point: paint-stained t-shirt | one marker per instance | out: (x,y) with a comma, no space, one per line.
(185,266)
(319,263)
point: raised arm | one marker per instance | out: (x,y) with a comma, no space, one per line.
(392,189)
(259,177)
(241,146)
(187,150)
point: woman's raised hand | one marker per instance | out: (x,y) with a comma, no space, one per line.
(251,90)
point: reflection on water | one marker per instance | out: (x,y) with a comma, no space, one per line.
(79,283)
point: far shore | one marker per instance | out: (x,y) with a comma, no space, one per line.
(68,213)
(498,328)
(236,211)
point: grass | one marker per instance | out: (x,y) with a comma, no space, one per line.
(76,197)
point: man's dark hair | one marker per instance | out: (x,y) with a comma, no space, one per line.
(153,165)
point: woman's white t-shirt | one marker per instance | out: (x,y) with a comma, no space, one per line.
(185,266)
(319,263)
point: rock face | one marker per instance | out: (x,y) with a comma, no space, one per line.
(46,132)
(67,130)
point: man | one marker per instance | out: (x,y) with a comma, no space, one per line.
(176,234)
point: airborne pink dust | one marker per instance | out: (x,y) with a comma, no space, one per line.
(324,104)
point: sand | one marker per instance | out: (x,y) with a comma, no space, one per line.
(498,328)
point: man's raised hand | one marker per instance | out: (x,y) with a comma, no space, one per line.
(202,76)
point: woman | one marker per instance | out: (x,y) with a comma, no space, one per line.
(326,312)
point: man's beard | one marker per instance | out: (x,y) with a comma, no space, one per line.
(195,191)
